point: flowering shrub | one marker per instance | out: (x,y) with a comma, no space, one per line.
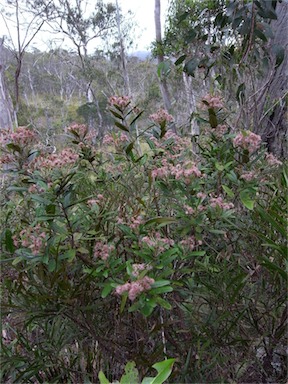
(120,252)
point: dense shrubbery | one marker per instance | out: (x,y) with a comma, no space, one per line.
(141,249)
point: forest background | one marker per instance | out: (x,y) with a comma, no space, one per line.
(143,198)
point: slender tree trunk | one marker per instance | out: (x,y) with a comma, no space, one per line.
(191,103)
(160,59)
(122,53)
(6,121)
(271,104)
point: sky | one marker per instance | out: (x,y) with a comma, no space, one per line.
(143,11)
(144,16)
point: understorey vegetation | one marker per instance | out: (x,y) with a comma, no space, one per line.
(141,258)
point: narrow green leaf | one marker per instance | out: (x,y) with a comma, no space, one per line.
(9,244)
(136,118)
(106,290)
(180,60)
(196,253)
(160,283)
(123,302)
(116,114)
(52,265)
(163,303)
(121,126)
(228,191)
(102,378)
(161,220)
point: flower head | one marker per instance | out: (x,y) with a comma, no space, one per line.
(119,101)
(247,140)
(161,117)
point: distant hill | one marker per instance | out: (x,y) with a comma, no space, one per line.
(142,55)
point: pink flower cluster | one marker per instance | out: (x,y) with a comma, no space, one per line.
(220,130)
(248,176)
(80,129)
(135,288)
(8,158)
(137,268)
(22,137)
(66,157)
(185,170)
(219,202)
(102,250)
(120,101)
(33,238)
(188,210)
(136,221)
(157,242)
(212,101)
(161,117)
(190,243)
(115,140)
(272,160)
(201,195)
(247,140)
(99,200)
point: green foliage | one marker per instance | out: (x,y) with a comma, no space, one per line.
(130,252)
(164,369)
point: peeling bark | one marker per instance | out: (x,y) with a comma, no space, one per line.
(6,107)
(271,105)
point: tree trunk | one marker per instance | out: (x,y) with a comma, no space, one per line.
(160,59)
(271,115)
(122,53)
(6,121)
(191,103)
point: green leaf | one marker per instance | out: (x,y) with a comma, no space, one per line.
(160,290)
(279,53)
(180,60)
(17,260)
(129,148)
(121,126)
(160,283)
(163,69)
(14,147)
(40,199)
(106,290)
(148,308)
(191,66)
(136,118)
(131,375)
(196,253)
(52,265)
(116,114)
(161,221)
(163,303)
(68,255)
(219,166)
(213,121)
(240,93)
(9,244)
(102,378)
(274,268)
(164,369)
(228,191)
(247,201)
(123,302)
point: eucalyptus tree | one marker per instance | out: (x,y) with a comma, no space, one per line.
(21,27)
(85,26)
(163,68)
(6,108)
(245,44)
